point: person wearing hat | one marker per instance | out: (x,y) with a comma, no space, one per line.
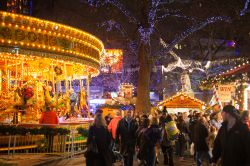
(49,117)
(126,137)
(231,145)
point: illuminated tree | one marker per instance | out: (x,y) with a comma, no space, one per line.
(146,15)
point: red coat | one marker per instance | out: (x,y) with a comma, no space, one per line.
(48,117)
(113,125)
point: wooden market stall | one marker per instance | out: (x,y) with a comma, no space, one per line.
(231,86)
(182,102)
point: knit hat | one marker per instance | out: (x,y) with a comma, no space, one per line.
(231,110)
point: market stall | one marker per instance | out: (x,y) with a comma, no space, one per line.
(181,102)
(231,86)
(39,61)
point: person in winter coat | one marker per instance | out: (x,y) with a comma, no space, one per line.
(144,124)
(49,117)
(149,138)
(192,125)
(231,145)
(245,118)
(113,124)
(99,134)
(201,142)
(163,119)
(181,141)
(168,141)
(126,137)
(216,120)
(108,118)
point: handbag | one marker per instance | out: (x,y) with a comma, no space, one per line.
(192,151)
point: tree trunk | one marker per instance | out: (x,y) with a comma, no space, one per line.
(143,105)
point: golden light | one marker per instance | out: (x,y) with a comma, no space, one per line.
(48,40)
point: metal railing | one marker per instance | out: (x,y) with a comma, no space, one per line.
(66,145)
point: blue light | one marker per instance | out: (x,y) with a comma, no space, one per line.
(231,43)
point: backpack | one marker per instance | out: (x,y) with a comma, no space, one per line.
(172,130)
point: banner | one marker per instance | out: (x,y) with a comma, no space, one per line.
(225,92)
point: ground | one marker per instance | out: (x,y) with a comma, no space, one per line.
(56,160)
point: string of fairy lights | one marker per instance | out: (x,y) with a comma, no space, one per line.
(33,33)
(226,79)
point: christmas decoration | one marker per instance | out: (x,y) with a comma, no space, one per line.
(239,73)
(18,130)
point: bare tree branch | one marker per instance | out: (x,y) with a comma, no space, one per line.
(152,13)
(245,9)
(123,9)
(191,30)
(176,15)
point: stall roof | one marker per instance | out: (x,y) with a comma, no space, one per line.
(237,70)
(182,100)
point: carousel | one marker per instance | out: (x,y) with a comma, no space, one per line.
(182,102)
(39,61)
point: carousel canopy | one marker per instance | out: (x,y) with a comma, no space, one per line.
(36,44)
(182,100)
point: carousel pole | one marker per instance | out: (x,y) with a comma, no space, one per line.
(22,68)
(88,91)
(15,116)
(53,78)
(80,105)
(70,83)
(16,76)
(57,89)
(17,52)
(7,75)
(66,80)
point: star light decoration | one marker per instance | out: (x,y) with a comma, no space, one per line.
(190,65)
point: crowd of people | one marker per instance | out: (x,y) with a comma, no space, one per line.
(218,137)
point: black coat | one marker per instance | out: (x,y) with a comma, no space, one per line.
(126,136)
(232,146)
(200,137)
(103,140)
(191,129)
(149,137)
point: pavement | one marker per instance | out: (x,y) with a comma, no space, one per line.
(28,159)
(79,160)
